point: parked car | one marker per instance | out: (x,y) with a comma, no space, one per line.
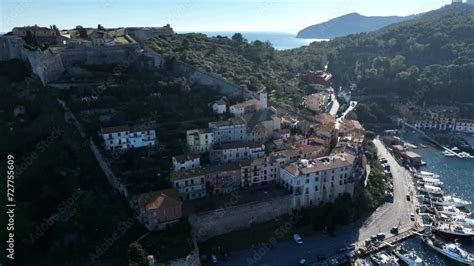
(408,197)
(298,239)
(380,236)
(412,216)
(214,259)
(302,262)
(394,230)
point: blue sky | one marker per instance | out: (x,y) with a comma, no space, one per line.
(199,15)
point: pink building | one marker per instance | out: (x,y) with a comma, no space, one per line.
(223,178)
(159,207)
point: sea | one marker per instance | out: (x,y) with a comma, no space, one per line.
(458,178)
(279,40)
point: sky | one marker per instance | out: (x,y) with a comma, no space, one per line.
(199,15)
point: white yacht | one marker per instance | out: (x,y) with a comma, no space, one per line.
(450,211)
(431,189)
(451,250)
(430,181)
(409,257)
(452,201)
(454,230)
(384,259)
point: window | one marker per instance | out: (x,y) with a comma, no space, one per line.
(307,191)
(307,181)
(316,188)
(186,183)
(177,184)
(316,179)
(192,181)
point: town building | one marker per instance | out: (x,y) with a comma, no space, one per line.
(351,128)
(141,34)
(259,172)
(199,140)
(219,106)
(186,162)
(320,78)
(291,155)
(246,107)
(159,207)
(236,151)
(320,180)
(232,130)
(223,178)
(250,106)
(465,125)
(128,137)
(262,125)
(318,102)
(408,157)
(439,118)
(189,184)
(35,31)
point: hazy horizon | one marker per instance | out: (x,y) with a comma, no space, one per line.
(205,15)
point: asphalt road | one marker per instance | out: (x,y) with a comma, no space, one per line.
(390,214)
(322,244)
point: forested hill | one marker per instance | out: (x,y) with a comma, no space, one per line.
(432,56)
(427,59)
(348,24)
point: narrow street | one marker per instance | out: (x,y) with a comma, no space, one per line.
(390,214)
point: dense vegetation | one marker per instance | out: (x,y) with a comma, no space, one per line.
(428,59)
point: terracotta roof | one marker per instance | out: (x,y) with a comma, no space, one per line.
(321,164)
(159,199)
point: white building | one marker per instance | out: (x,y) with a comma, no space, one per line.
(320,180)
(189,184)
(251,105)
(186,162)
(465,125)
(236,151)
(219,107)
(126,137)
(231,130)
(199,140)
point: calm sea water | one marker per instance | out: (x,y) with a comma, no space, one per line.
(280,40)
(458,177)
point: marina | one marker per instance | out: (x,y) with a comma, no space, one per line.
(442,216)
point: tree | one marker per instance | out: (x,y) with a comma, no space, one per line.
(238,38)
(137,254)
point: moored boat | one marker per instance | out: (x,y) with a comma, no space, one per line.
(451,211)
(454,230)
(384,259)
(430,189)
(450,250)
(409,257)
(452,201)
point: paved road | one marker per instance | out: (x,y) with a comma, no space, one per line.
(390,214)
(318,244)
(335,105)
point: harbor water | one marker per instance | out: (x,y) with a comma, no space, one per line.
(458,177)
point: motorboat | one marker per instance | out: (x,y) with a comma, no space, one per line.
(384,258)
(430,181)
(422,174)
(450,211)
(409,257)
(450,250)
(449,153)
(454,230)
(466,222)
(452,201)
(431,189)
